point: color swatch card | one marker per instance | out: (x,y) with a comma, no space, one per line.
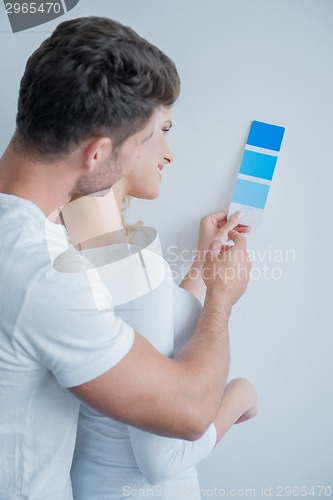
(256,172)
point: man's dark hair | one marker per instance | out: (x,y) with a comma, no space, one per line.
(92,77)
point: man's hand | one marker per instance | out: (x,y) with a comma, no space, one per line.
(227,268)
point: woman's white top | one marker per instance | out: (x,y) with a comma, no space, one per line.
(113,460)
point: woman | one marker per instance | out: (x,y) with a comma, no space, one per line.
(113,460)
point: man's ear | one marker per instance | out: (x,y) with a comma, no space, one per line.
(96,153)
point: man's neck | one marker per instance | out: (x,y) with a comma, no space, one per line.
(45,185)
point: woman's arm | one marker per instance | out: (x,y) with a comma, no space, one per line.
(239,404)
(193,281)
(161,459)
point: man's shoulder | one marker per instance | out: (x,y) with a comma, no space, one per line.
(28,246)
(23,250)
(28,240)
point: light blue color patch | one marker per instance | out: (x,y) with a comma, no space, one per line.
(251,194)
(258,165)
(265,135)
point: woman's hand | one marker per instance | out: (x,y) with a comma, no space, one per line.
(252,409)
(239,404)
(209,229)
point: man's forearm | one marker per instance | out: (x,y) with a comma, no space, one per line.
(206,355)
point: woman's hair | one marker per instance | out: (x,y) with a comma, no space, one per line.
(134,226)
(92,77)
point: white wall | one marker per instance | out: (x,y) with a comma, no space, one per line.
(241,60)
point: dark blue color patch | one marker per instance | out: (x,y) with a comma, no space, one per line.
(264,135)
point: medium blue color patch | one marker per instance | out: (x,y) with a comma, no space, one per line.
(264,135)
(251,194)
(258,165)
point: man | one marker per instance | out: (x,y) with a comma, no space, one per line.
(87,110)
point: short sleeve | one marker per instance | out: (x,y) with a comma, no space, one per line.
(61,328)
(161,459)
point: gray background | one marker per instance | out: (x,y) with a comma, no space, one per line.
(241,60)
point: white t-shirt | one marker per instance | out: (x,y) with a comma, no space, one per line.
(51,337)
(112,460)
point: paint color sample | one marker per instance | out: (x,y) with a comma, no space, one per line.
(258,165)
(251,194)
(265,135)
(256,171)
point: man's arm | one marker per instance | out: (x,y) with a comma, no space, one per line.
(173,397)
(179,397)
